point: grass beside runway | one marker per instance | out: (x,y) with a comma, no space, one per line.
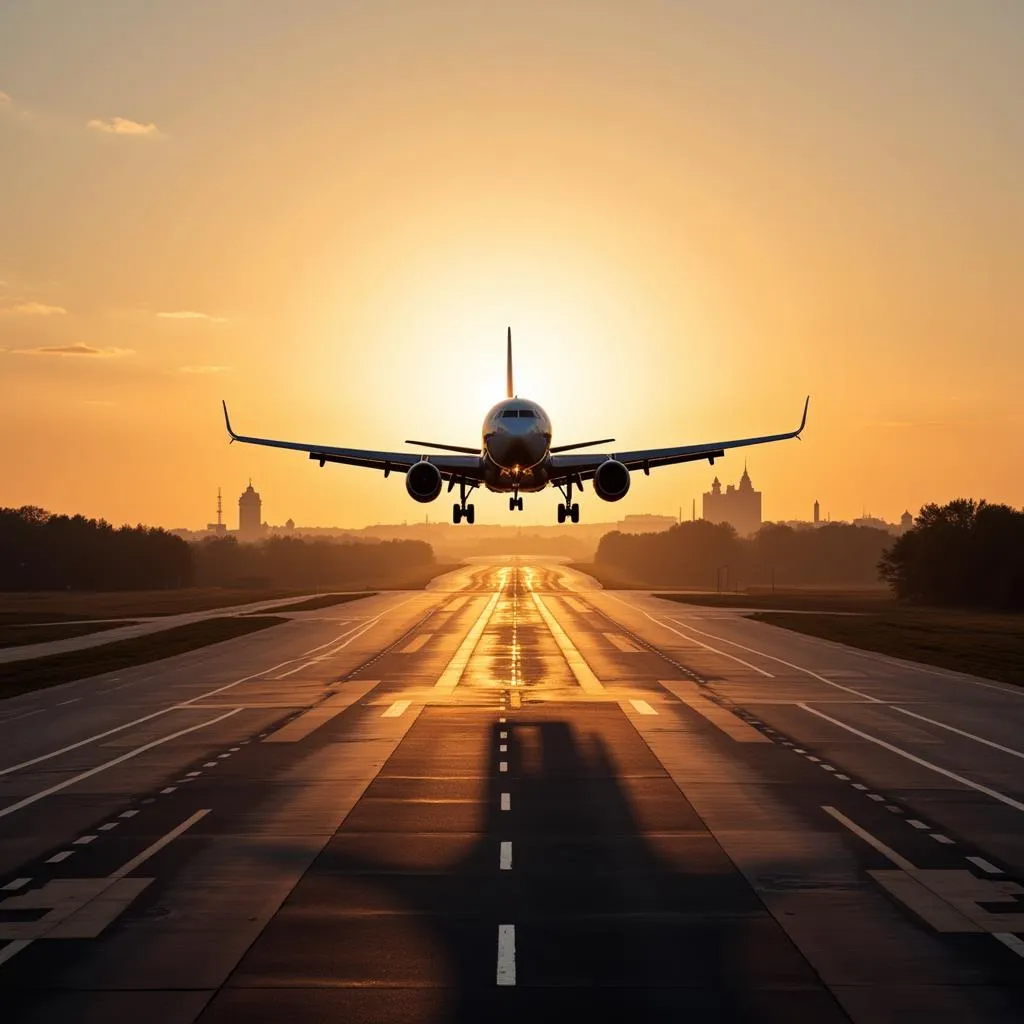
(39,673)
(44,632)
(803,599)
(987,645)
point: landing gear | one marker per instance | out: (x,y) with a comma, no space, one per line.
(569,509)
(515,503)
(461,510)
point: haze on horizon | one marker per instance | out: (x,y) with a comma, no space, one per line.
(691,215)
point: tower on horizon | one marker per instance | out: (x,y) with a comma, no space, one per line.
(739,506)
(817,512)
(250,515)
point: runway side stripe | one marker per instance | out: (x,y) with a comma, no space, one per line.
(11,808)
(589,682)
(994,793)
(454,669)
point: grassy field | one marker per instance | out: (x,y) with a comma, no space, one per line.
(38,673)
(809,599)
(987,645)
(36,633)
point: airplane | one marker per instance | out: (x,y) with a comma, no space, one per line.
(516,458)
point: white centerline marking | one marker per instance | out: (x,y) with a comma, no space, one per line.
(503,735)
(109,825)
(505,857)
(642,707)
(843,778)
(502,748)
(503,766)
(84,840)
(920,825)
(506,954)
(58,857)
(11,808)
(988,791)
(859,785)
(192,775)
(501,721)
(210,764)
(18,883)
(876,797)
(945,840)
(397,709)
(167,789)
(985,865)
(506,801)
(128,814)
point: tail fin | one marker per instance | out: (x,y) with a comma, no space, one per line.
(508,370)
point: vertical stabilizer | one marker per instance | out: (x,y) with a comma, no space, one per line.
(510,391)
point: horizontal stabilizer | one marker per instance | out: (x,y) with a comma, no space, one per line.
(582,444)
(462,449)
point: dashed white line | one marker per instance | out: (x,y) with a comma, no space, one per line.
(167,789)
(210,764)
(502,735)
(222,756)
(192,775)
(985,865)
(859,785)
(73,700)
(893,809)
(234,750)
(503,766)
(58,857)
(502,748)
(109,825)
(506,801)
(843,778)
(919,825)
(826,767)
(84,840)
(506,954)
(939,838)
(501,721)
(18,883)
(987,790)
(811,757)
(128,814)
(505,857)
(875,796)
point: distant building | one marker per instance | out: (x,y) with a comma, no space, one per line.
(250,519)
(873,522)
(817,512)
(646,523)
(739,506)
(906,522)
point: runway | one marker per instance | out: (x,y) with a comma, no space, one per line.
(514,794)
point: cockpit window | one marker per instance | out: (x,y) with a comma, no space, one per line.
(510,414)
(527,414)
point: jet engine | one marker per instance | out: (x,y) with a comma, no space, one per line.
(423,481)
(611,480)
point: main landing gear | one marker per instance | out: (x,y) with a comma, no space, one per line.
(461,510)
(515,502)
(569,509)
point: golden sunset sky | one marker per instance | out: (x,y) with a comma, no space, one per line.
(691,215)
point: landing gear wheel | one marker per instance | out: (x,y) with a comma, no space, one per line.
(456,513)
(470,513)
(574,513)
(515,503)
(561,513)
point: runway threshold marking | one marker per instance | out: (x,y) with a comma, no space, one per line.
(57,787)
(950,901)
(311,720)
(453,671)
(589,682)
(506,974)
(416,644)
(977,786)
(642,707)
(620,643)
(397,709)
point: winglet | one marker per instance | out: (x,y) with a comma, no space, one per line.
(510,391)
(803,419)
(227,421)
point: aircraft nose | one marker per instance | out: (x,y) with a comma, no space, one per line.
(509,450)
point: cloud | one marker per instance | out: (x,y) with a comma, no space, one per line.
(123,126)
(191,314)
(72,350)
(204,369)
(31,309)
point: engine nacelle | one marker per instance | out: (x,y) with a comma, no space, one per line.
(423,481)
(611,480)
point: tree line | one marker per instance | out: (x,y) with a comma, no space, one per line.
(711,555)
(43,551)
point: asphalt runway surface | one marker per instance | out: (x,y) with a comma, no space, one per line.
(514,794)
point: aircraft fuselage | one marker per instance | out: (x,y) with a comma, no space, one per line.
(516,446)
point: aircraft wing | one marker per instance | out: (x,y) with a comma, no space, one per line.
(583,466)
(466,466)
